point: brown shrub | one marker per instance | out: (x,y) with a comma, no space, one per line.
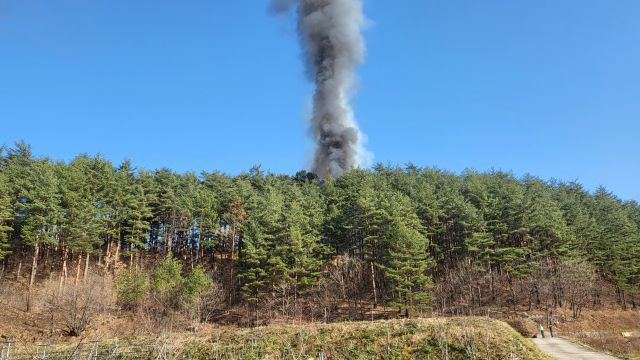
(206,304)
(12,294)
(618,345)
(525,327)
(73,304)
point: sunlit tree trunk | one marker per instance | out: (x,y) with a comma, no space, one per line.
(86,267)
(34,269)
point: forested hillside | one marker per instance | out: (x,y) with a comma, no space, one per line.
(284,246)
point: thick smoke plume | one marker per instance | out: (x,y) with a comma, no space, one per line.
(331,36)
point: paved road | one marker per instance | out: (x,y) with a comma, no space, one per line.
(561,349)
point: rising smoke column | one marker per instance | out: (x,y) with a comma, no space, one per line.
(331,36)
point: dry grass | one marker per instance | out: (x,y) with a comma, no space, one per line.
(603,330)
(74,304)
(526,327)
(435,338)
(602,320)
(624,347)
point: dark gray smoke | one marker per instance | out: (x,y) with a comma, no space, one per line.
(331,37)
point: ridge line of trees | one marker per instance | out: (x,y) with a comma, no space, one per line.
(411,238)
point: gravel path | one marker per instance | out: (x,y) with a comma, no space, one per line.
(561,349)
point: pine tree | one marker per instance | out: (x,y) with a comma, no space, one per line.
(617,248)
(80,227)
(38,209)
(252,271)
(457,220)
(6,217)
(576,204)
(284,236)
(481,247)
(138,215)
(135,212)
(261,268)
(207,210)
(547,232)
(371,221)
(406,263)
(304,252)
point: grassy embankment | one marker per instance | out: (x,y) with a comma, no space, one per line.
(434,338)
(455,338)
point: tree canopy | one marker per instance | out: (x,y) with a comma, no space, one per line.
(278,238)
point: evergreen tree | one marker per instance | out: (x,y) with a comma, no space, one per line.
(576,204)
(262,269)
(253,266)
(301,241)
(547,232)
(80,224)
(406,262)
(371,222)
(617,248)
(6,217)
(134,211)
(38,209)
(137,216)
(207,210)
(278,240)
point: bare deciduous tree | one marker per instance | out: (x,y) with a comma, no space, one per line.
(77,305)
(578,280)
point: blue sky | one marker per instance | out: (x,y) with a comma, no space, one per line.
(546,87)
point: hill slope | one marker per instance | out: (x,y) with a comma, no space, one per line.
(452,338)
(460,338)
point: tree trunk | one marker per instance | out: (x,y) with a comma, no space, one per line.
(233,241)
(34,269)
(78,266)
(200,244)
(170,239)
(46,256)
(492,286)
(116,258)
(373,285)
(86,267)
(107,256)
(4,267)
(257,313)
(63,272)
(233,235)
(19,269)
